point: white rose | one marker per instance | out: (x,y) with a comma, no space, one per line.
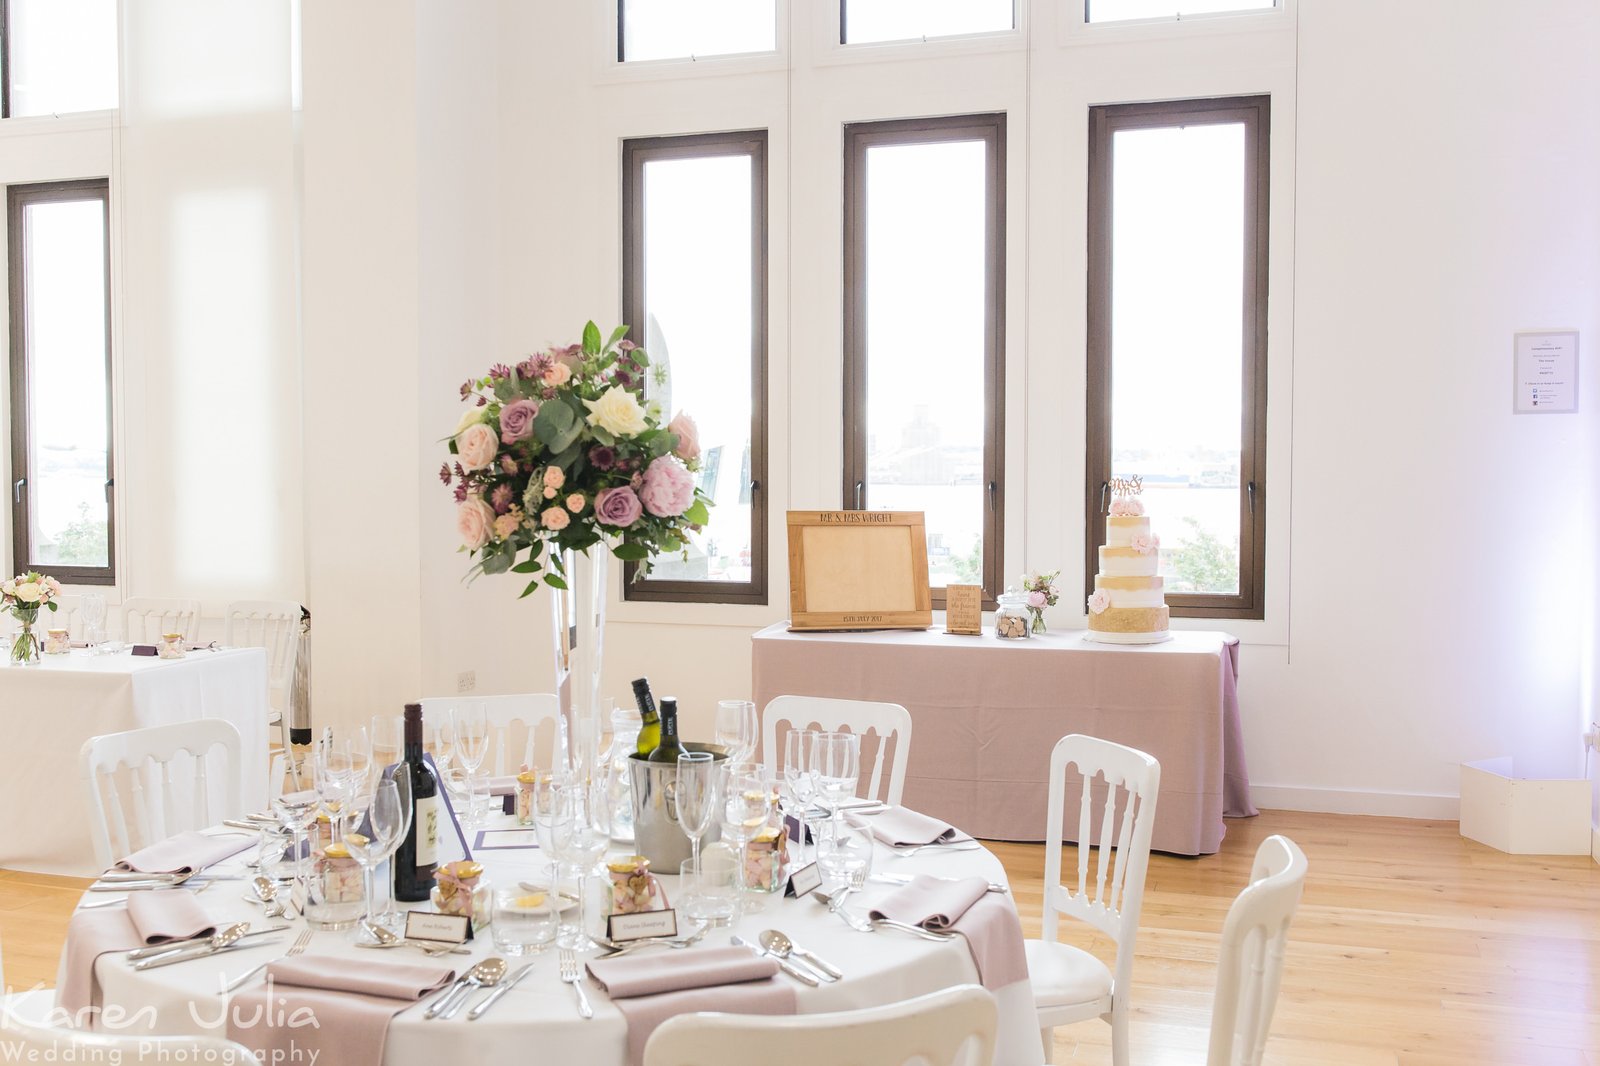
(468,417)
(618,412)
(28,592)
(9,588)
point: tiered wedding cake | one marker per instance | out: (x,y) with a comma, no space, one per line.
(1127,605)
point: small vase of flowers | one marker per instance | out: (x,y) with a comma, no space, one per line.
(1041,592)
(22,597)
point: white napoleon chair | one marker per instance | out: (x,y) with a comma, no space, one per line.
(1070,984)
(856,716)
(145,620)
(531,710)
(1250,964)
(953,1025)
(273,625)
(169,782)
(29,1034)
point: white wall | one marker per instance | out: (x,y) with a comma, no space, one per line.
(1432,193)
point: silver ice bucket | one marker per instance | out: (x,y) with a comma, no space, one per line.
(656,833)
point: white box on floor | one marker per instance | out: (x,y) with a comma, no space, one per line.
(1523,816)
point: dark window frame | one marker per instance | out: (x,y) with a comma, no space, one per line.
(989,127)
(636,152)
(18,199)
(1104,122)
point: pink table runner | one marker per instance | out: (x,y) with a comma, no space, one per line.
(985,714)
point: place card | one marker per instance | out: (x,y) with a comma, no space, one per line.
(804,880)
(505,840)
(439,928)
(963,610)
(641,924)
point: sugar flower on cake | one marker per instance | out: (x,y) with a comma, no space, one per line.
(1144,543)
(563,451)
(1127,507)
(1098,601)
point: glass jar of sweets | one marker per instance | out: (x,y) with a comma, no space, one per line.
(1011,618)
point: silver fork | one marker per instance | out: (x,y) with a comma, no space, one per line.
(903,850)
(299,945)
(570,974)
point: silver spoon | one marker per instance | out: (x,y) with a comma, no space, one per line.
(267,892)
(781,946)
(615,948)
(473,978)
(488,976)
(872,925)
(388,938)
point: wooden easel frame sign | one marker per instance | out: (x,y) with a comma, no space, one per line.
(858,570)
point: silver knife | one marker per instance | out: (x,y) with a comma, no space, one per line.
(488,1001)
(179,945)
(783,964)
(186,955)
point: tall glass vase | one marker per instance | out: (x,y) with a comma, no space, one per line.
(578,623)
(25,646)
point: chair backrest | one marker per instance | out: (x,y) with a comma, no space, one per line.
(856,716)
(1109,887)
(942,1028)
(31,1031)
(144,619)
(1250,963)
(531,709)
(275,626)
(160,801)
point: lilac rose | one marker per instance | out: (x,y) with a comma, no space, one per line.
(617,507)
(668,488)
(516,420)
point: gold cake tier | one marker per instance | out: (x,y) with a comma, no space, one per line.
(1129,620)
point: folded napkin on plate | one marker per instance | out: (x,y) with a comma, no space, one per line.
(898,826)
(151,918)
(352,1002)
(186,853)
(650,989)
(988,921)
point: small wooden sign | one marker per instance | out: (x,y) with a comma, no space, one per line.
(963,609)
(858,570)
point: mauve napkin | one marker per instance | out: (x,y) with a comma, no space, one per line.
(987,920)
(652,988)
(151,918)
(897,825)
(186,853)
(352,1002)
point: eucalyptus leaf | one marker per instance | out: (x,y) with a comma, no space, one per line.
(603,435)
(505,390)
(497,563)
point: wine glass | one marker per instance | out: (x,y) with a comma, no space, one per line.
(93,610)
(470,724)
(799,777)
(341,769)
(583,847)
(736,729)
(387,736)
(296,811)
(836,760)
(382,821)
(696,796)
(388,914)
(553,819)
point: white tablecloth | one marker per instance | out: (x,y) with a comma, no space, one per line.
(49,710)
(539,1016)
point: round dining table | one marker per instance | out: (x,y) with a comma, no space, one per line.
(539,1016)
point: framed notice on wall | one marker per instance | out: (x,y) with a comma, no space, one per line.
(1545,363)
(858,570)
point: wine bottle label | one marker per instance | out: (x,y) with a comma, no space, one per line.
(427,831)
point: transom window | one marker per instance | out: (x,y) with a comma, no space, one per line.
(876,21)
(60,56)
(692,29)
(1152,10)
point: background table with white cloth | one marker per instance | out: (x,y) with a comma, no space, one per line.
(538,1017)
(49,710)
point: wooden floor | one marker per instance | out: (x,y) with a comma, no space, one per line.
(1412,946)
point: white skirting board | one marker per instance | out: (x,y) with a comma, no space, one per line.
(1424,806)
(1524,816)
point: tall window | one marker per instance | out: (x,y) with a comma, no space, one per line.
(61,380)
(60,56)
(694,291)
(1178,339)
(924,334)
(694,29)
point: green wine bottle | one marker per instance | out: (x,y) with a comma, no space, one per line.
(649,720)
(669,749)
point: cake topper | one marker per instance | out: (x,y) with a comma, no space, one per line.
(1126,486)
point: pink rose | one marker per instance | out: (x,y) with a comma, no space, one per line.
(1036,599)
(516,420)
(617,507)
(554,477)
(559,374)
(506,525)
(1143,543)
(475,522)
(1119,507)
(688,446)
(575,502)
(1098,601)
(668,488)
(1135,506)
(475,446)
(554,518)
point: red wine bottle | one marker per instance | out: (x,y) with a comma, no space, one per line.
(418,854)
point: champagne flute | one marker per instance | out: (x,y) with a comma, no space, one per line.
(382,820)
(581,851)
(836,761)
(387,736)
(93,609)
(696,796)
(736,729)
(553,821)
(470,724)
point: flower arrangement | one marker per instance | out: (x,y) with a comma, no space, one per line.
(562,452)
(22,596)
(1042,593)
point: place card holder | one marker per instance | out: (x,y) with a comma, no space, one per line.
(438,928)
(143,649)
(620,928)
(806,879)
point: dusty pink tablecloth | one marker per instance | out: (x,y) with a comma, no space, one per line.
(985,714)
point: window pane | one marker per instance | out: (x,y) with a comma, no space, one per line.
(1176,318)
(866,21)
(925,293)
(63,55)
(1128,10)
(676,29)
(64,283)
(698,298)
